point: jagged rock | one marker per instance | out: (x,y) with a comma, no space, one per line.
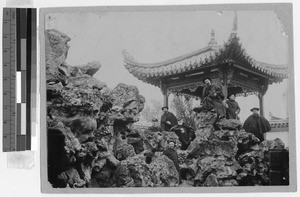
(80,97)
(90,68)
(102,143)
(71,177)
(127,103)
(246,141)
(231,124)
(134,172)
(56,50)
(123,177)
(82,125)
(98,164)
(165,171)
(188,167)
(228,182)
(153,140)
(211,181)
(221,166)
(124,151)
(103,178)
(204,119)
(215,147)
(85,82)
(204,133)
(112,160)
(137,143)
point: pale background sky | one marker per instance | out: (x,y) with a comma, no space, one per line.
(157,36)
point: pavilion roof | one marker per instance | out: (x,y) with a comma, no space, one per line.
(231,51)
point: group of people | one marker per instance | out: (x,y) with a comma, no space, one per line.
(169,122)
(212,100)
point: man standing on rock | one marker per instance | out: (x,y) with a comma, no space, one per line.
(233,107)
(212,98)
(257,124)
(168,119)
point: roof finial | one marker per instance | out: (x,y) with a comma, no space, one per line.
(234,26)
(212,38)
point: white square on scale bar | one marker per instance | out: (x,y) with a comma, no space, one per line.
(18,87)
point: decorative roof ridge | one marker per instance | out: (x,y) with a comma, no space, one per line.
(129,59)
(274,66)
(250,58)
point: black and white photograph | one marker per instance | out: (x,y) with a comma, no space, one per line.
(176,97)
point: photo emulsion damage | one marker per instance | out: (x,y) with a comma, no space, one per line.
(166,99)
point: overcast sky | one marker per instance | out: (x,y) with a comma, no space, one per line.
(157,36)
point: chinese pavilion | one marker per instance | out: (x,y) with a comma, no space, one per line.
(228,65)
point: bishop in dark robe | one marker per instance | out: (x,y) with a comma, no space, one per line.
(212,98)
(168,120)
(257,124)
(185,133)
(233,107)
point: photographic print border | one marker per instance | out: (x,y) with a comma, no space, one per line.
(283,10)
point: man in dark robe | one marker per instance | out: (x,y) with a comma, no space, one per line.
(233,107)
(257,124)
(212,98)
(185,133)
(171,153)
(168,119)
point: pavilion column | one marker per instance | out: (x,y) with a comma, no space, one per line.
(166,96)
(261,103)
(164,91)
(224,72)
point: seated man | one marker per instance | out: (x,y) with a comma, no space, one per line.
(212,98)
(233,107)
(168,119)
(185,133)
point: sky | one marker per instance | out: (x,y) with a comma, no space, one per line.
(152,37)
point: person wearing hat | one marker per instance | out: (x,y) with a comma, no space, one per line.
(167,120)
(185,133)
(257,124)
(212,98)
(233,107)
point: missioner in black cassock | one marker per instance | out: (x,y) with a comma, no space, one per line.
(168,119)
(257,124)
